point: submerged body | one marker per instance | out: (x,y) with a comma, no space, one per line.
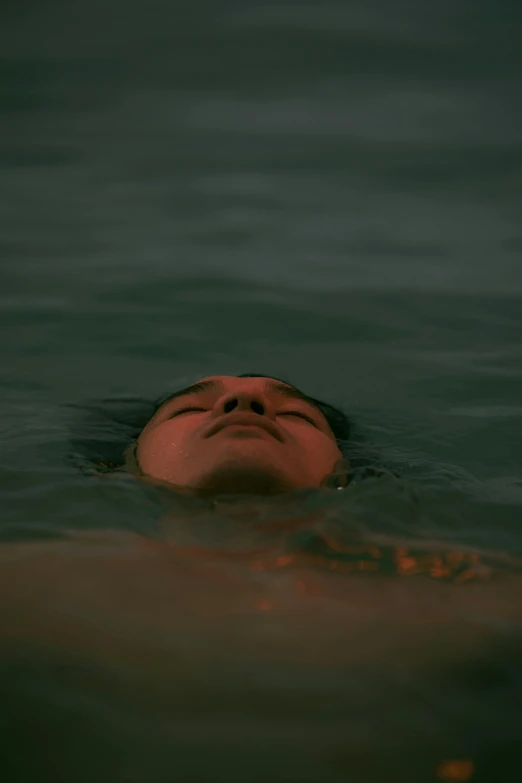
(253,638)
(325,661)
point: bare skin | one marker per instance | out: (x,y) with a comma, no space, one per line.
(237,436)
(122,601)
(206,654)
(198,633)
(117,597)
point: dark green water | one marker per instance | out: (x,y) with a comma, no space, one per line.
(324,192)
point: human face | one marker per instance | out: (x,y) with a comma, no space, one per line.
(238,435)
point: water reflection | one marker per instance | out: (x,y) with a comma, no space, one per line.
(320,653)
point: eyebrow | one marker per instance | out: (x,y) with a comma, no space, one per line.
(289,392)
(272,386)
(196,388)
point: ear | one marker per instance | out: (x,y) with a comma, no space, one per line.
(338,478)
(341,471)
(131,461)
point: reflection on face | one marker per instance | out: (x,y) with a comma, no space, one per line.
(238,435)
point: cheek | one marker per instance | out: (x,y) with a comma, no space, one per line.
(320,450)
(162,448)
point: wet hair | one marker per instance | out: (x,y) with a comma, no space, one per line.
(102,431)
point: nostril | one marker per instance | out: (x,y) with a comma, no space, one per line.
(254,405)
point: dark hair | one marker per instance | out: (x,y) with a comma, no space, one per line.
(103,430)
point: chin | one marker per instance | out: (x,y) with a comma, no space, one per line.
(242,478)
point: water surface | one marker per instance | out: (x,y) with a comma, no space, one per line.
(328,194)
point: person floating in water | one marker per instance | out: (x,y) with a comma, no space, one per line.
(261,436)
(324,597)
(248,434)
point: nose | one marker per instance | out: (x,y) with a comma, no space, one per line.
(245,401)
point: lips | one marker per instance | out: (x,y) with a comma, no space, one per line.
(246,420)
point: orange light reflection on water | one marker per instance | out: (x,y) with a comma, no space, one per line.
(453,770)
(455,566)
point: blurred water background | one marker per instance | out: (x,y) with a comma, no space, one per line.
(324,192)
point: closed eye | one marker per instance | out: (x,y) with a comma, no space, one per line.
(298,413)
(187,410)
